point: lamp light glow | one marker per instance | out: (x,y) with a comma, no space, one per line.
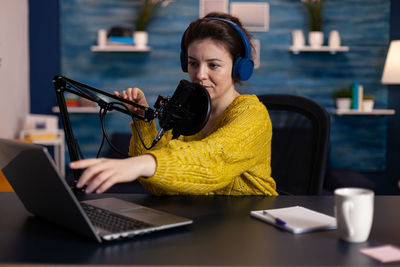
(391,71)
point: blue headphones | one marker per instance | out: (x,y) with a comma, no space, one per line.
(242,66)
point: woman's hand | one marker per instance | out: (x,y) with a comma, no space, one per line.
(102,173)
(135,95)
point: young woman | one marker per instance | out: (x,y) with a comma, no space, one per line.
(231,155)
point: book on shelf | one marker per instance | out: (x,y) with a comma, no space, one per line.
(33,135)
(119,40)
(357,96)
(360,97)
(44,136)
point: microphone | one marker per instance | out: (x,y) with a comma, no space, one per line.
(186,112)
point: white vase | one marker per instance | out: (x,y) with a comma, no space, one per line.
(102,38)
(140,39)
(298,39)
(315,39)
(368,104)
(343,103)
(334,39)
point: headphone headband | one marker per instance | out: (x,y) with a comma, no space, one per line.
(242,66)
(242,35)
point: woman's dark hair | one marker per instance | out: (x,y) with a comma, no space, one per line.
(218,31)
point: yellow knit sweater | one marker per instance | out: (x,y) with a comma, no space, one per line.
(234,159)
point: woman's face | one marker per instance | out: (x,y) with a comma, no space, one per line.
(210,65)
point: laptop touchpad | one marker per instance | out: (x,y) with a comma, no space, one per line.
(152,216)
(113,204)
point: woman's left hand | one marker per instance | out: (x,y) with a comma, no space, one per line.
(102,173)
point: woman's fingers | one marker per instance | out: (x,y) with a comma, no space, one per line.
(133,94)
(100,179)
(94,167)
(126,94)
(105,185)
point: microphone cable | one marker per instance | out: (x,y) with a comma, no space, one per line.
(102,113)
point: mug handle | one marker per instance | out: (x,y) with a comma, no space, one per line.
(347,207)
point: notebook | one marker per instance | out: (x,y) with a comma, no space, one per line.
(34,177)
(296,219)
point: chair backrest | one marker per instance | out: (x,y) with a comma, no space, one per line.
(300,142)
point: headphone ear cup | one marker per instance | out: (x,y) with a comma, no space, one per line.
(184,64)
(242,68)
(236,68)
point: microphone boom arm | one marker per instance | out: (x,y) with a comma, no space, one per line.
(63,84)
(186,112)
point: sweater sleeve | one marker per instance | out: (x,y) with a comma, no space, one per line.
(211,164)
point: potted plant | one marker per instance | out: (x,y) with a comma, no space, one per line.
(315,35)
(343,98)
(368,102)
(147,10)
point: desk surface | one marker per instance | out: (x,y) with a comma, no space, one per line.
(223,234)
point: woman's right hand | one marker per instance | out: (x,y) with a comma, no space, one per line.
(135,95)
(101,173)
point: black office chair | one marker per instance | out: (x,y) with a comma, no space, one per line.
(300,141)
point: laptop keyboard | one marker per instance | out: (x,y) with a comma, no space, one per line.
(112,222)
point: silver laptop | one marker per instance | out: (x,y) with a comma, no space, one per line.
(33,175)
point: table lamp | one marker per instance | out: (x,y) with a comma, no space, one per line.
(391,71)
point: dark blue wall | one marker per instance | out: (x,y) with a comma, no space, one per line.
(44,53)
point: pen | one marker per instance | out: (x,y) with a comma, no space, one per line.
(277,220)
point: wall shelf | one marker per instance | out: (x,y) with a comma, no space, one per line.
(119,48)
(297,50)
(360,112)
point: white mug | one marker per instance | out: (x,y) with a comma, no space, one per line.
(354,208)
